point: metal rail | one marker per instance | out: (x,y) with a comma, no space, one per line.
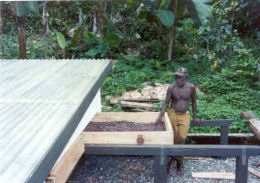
(160,153)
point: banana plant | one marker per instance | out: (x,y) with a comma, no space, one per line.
(170,11)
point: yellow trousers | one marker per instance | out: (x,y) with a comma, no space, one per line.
(180,124)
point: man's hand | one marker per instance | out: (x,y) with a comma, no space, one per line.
(197,121)
(159,120)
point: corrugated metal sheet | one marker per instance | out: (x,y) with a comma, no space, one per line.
(41,101)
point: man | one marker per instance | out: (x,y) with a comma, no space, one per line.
(179,94)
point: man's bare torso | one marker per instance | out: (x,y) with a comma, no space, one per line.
(180,97)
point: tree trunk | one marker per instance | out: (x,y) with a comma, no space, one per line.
(21,37)
(80,16)
(45,16)
(100,20)
(172,30)
(1,20)
(94,27)
(173,7)
(101,17)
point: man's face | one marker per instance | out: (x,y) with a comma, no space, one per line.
(180,80)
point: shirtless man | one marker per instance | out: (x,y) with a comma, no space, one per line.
(179,94)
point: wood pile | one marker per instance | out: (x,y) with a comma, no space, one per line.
(253,121)
(145,100)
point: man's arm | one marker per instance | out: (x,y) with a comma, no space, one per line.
(165,105)
(194,106)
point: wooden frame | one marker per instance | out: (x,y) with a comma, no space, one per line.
(63,168)
(223,124)
(160,153)
(150,137)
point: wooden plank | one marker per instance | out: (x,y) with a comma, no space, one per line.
(63,168)
(150,137)
(221,122)
(140,100)
(213,175)
(240,152)
(138,117)
(173,150)
(137,105)
(254,172)
(160,168)
(224,135)
(241,167)
(114,101)
(254,125)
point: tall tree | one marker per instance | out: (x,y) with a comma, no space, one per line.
(21,37)
(1,19)
(45,17)
(173,7)
(23,9)
(198,9)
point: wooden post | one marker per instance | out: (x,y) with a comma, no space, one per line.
(242,167)
(224,135)
(21,37)
(160,167)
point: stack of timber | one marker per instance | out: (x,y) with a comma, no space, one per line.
(144,100)
(136,105)
(254,122)
(254,125)
(129,137)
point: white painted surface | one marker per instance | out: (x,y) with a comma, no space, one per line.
(94,107)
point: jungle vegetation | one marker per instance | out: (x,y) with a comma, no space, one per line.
(218,41)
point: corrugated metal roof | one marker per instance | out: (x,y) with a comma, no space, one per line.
(41,103)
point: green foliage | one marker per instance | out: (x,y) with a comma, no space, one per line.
(61,40)
(8,46)
(200,9)
(44,47)
(219,109)
(130,72)
(221,60)
(25,8)
(166,17)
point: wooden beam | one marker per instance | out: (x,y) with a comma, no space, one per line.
(219,123)
(137,105)
(254,125)
(160,168)
(63,168)
(160,152)
(173,150)
(224,135)
(141,100)
(213,175)
(241,167)
(254,172)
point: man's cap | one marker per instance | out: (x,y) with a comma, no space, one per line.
(181,72)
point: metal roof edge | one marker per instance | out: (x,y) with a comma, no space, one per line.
(46,164)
